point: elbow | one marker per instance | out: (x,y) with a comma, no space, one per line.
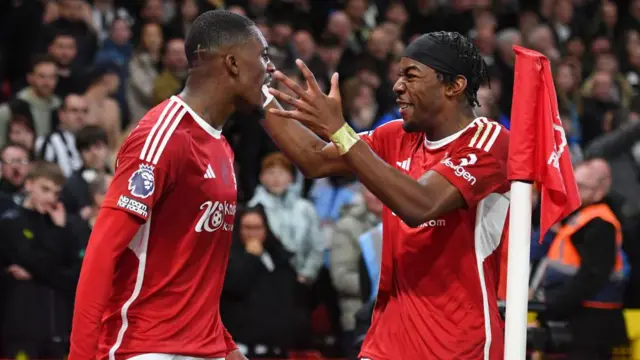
(417,218)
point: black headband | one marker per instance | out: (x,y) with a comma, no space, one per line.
(438,56)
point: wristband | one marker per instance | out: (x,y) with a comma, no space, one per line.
(344,138)
(269,97)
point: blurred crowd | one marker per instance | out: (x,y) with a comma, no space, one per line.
(77,75)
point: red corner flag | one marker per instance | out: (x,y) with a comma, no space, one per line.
(538,146)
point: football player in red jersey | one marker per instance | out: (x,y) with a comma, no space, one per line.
(441,173)
(154,268)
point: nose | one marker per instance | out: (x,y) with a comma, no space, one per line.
(399,87)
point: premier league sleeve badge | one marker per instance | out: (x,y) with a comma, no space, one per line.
(142,182)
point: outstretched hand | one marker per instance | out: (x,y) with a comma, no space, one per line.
(321,113)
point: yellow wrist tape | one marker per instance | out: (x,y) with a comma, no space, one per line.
(344,138)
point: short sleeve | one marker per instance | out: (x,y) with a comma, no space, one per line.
(474,172)
(136,186)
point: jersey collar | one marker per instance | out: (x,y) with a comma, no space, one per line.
(199,120)
(432,145)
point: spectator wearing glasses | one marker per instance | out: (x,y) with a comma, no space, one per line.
(13,172)
(60,145)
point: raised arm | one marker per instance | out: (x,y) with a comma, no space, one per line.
(313,156)
(439,191)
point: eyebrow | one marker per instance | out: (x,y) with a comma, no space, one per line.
(411,67)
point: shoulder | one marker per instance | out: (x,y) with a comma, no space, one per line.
(487,136)
(158,135)
(391,127)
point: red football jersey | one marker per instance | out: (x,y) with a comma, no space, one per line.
(174,171)
(438,282)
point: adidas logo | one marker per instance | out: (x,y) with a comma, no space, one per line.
(404,164)
(209,174)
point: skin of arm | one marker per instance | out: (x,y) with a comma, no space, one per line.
(413,201)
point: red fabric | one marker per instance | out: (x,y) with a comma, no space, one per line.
(155,288)
(111,234)
(537,150)
(436,277)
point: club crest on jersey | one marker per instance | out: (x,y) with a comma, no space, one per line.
(142,182)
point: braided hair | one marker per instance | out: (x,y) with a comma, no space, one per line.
(469,54)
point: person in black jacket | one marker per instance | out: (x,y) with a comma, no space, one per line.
(258,298)
(39,257)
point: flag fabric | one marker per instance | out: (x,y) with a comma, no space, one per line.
(538,149)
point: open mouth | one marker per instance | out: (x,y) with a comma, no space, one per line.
(403,105)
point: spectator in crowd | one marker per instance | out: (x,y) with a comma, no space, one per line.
(171,79)
(346,254)
(143,70)
(91,142)
(583,280)
(104,111)
(38,251)
(258,301)
(63,50)
(360,106)
(60,145)
(82,225)
(179,27)
(152,11)
(292,219)
(117,49)
(21,129)
(39,95)
(76,18)
(13,172)
(103,14)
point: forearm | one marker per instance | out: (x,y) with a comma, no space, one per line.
(113,231)
(298,143)
(399,192)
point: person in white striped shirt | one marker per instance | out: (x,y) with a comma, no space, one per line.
(60,145)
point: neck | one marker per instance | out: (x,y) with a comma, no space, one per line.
(213,106)
(449,124)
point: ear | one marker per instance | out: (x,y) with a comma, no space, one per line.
(231,63)
(457,87)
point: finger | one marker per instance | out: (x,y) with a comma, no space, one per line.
(293,114)
(291,100)
(309,77)
(335,87)
(292,85)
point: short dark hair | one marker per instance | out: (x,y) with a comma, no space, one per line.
(90,135)
(468,54)
(40,59)
(58,33)
(214,29)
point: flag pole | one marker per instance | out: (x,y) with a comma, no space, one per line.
(518,271)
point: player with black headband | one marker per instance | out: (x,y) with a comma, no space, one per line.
(441,172)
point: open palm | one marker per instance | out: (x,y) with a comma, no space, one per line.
(320,113)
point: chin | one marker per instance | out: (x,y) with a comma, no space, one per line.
(410,126)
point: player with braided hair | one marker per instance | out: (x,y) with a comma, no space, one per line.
(441,173)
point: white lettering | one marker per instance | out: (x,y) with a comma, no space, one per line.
(460,171)
(133,205)
(213,217)
(434,223)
